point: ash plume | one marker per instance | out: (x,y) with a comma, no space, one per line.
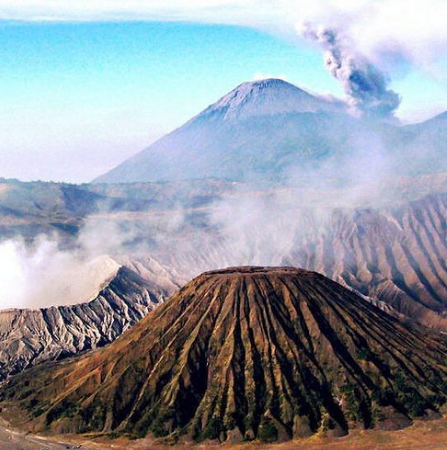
(365,84)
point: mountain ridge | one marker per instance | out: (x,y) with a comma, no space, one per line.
(30,337)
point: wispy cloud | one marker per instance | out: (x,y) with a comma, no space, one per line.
(245,12)
(383,30)
(380,35)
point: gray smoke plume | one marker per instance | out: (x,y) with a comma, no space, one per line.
(366,85)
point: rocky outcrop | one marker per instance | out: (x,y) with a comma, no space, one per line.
(397,255)
(28,337)
(245,353)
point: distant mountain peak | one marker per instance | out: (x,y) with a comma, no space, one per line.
(267,97)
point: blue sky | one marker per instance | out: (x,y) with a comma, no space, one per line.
(78,98)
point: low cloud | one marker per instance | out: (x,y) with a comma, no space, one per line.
(43,274)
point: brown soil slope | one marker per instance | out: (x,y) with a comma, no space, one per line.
(242,353)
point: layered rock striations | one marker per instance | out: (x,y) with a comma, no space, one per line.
(245,353)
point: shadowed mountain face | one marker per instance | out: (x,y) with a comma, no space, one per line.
(272,130)
(395,254)
(243,353)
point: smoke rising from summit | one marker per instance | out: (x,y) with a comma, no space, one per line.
(365,85)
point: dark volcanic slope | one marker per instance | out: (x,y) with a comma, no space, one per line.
(241,353)
(28,337)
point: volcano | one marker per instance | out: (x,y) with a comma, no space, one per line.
(258,130)
(270,130)
(240,354)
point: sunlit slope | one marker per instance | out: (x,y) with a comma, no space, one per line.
(243,353)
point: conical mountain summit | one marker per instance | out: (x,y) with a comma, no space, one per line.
(259,128)
(267,97)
